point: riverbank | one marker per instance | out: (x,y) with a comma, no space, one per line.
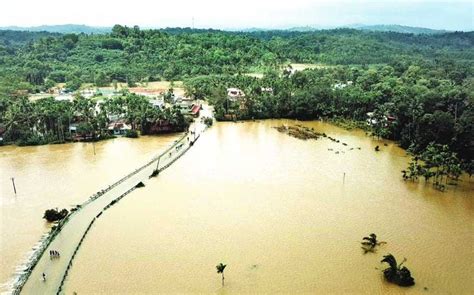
(41,141)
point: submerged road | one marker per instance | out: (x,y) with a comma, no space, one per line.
(72,232)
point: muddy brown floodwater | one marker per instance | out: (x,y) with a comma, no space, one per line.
(58,176)
(276,210)
(272,207)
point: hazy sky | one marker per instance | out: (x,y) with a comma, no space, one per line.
(224,14)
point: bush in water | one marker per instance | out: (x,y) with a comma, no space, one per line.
(54,215)
(396,273)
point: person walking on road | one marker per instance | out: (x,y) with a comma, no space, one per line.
(44,277)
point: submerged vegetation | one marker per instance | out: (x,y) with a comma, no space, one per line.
(369,243)
(131,134)
(52,215)
(208,121)
(349,124)
(299,132)
(438,164)
(396,273)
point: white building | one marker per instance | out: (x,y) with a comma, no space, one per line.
(235,93)
(266,89)
(118,128)
(62,97)
(342,85)
(157,103)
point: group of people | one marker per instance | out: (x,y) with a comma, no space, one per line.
(54,254)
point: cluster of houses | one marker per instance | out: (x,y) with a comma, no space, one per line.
(119,126)
(236,94)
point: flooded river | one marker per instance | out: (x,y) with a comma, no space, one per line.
(277,211)
(58,176)
(272,207)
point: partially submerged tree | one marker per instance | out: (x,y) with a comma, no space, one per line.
(220,269)
(369,243)
(438,163)
(396,273)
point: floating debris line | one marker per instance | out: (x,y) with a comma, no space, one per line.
(300,132)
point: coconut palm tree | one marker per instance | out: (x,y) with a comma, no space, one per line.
(396,273)
(220,269)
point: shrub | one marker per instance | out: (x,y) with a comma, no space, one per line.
(396,273)
(131,133)
(208,121)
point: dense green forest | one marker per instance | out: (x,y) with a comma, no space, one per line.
(424,82)
(132,55)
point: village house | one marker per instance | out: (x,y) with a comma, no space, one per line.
(186,107)
(342,85)
(118,128)
(235,94)
(157,103)
(186,99)
(73,130)
(195,110)
(161,126)
(387,119)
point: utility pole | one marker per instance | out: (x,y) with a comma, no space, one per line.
(93,145)
(13,182)
(158,164)
(344,178)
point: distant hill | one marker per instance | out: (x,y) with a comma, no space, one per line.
(398,29)
(17,38)
(373,28)
(77,29)
(248,30)
(306,29)
(63,29)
